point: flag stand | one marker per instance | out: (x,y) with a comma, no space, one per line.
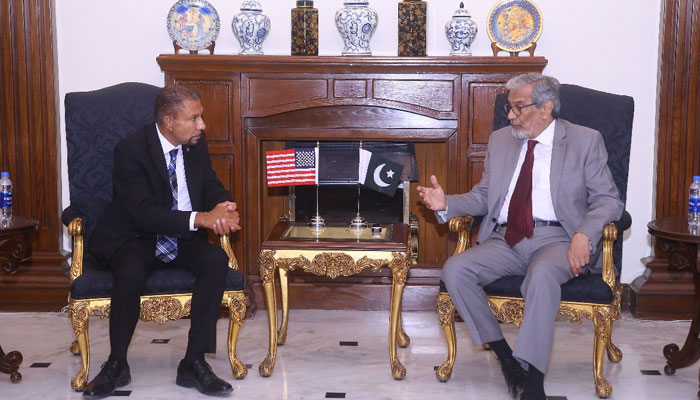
(317,222)
(359,222)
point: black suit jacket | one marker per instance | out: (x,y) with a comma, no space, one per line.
(141,196)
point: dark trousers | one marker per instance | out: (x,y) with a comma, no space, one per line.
(131,265)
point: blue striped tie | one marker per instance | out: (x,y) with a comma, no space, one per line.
(166,246)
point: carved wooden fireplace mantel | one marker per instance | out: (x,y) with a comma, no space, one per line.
(252,104)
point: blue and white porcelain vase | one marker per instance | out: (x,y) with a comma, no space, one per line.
(356,23)
(251,27)
(461,32)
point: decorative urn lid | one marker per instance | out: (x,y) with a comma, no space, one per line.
(251,6)
(461,12)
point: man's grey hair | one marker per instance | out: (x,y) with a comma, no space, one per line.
(170,101)
(545,88)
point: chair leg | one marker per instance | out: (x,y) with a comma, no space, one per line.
(237,308)
(614,353)
(602,321)
(79,313)
(446,316)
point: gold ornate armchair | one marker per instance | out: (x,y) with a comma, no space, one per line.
(595,297)
(602,307)
(95,122)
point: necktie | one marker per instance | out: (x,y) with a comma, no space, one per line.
(166,246)
(520,221)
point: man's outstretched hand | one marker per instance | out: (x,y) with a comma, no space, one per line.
(222,219)
(434,198)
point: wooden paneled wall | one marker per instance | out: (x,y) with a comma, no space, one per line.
(29,148)
(669,293)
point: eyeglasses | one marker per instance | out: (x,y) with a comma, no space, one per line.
(517,110)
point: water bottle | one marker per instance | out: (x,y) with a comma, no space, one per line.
(694,202)
(6,196)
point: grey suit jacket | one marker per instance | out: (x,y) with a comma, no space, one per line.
(584,194)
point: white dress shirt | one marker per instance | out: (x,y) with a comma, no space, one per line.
(542,207)
(183,195)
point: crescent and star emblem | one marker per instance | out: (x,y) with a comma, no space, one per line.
(377,176)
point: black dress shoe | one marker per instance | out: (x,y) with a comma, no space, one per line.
(529,394)
(515,375)
(198,374)
(114,374)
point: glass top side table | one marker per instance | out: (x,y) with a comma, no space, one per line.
(332,252)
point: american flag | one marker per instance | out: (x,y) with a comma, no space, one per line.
(292,167)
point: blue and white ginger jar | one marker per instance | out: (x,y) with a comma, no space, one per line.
(251,27)
(461,32)
(356,23)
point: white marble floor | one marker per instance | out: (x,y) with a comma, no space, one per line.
(313,364)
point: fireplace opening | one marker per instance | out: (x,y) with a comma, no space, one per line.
(338,204)
(338,172)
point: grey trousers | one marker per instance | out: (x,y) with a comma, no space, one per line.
(542,259)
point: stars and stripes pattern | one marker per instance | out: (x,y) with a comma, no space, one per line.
(166,246)
(292,167)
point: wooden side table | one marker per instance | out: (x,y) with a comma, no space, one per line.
(15,244)
(682,245)
(9,364)
(335,252)
(15,247)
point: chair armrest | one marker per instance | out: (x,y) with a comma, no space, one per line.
(75,229)
(624,222)
(609,237)
(226,245)
(463,227)
(69,214)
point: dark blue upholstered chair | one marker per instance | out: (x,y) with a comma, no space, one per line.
(95,122)
(596,297)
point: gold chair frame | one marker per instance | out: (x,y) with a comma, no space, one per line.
(157,308)
(510,310)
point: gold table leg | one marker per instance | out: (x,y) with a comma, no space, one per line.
(267,274)
(284,289)
(399,269)
(402,339)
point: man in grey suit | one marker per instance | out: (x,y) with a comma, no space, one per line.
(546,193)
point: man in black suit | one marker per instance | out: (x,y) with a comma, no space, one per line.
(163,185)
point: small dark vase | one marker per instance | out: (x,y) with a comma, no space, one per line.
(304,29)
(412,21)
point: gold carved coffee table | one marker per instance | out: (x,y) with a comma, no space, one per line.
(333,252)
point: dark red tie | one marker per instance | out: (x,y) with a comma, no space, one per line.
(520,222)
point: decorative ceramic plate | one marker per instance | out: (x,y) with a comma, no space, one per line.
(514,24)
(193,24)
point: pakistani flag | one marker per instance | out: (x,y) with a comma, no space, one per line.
(379,173)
